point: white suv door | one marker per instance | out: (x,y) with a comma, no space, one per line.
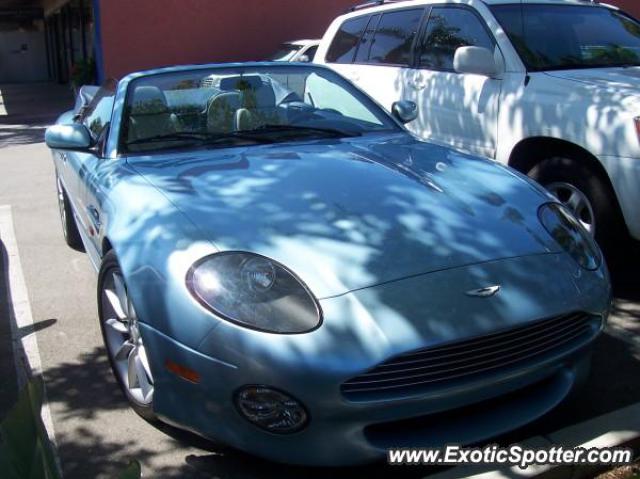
(376,51)
(407,54)
(344,46)
(457,109)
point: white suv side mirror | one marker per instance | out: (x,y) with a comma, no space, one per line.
(475,60)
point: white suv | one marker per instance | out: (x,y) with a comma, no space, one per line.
(549,87)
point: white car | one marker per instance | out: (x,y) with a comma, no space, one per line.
(297,51)
(549,87)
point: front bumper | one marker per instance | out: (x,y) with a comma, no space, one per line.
(625,178)
(312,367)
(346,433)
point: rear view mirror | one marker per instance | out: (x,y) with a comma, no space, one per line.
(68,137)
(475,60)
(405,111)
(304,59)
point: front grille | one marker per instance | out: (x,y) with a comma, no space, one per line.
(417,371)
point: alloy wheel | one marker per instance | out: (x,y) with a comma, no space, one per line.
(61,205)
(577,202)
(123,340)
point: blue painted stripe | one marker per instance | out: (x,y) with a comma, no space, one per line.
(97,42)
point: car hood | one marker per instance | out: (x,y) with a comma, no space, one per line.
(625,81)
(349,214)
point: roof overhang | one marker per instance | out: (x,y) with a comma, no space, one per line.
(29,9)
(21,9)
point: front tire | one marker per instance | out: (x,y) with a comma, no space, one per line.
(69,226)
(123,341)
(587,194)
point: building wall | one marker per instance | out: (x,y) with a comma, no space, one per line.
(151,33)
(629,6)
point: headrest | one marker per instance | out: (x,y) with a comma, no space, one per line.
(262,97)
(226,98)
(148,100)
(252,82)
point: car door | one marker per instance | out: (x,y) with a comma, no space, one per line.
(343,48)
(460,110)
(99,173)
(97,118)
(375,52)
(385,54)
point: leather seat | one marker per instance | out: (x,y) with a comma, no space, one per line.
(258,101)
(261,105)
(222,112)
(150,115)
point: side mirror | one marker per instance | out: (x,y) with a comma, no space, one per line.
(68,137)
(475,60)
(304,59)
(405,111)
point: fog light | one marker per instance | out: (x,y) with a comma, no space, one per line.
(271,410)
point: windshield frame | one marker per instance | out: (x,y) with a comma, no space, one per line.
(525,61)
(117,146)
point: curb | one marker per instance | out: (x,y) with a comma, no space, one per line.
(25,344)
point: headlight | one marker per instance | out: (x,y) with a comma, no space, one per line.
(570,235)
(255,292)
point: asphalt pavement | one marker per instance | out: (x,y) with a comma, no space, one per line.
(96,433)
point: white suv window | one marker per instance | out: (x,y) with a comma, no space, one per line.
(365,44)
(448,29)
(564,37)
(394,37)
(344,45)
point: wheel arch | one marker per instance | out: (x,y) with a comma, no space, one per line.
(106,246)
(531,151)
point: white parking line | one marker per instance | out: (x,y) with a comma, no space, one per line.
(3,110)
(25,347)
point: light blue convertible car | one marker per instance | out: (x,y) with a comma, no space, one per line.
(284,268)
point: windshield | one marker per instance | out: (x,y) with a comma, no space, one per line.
(230,107)
(285,52)
(557,37)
